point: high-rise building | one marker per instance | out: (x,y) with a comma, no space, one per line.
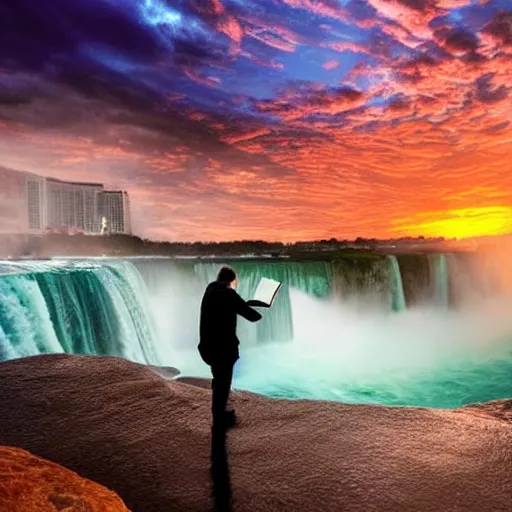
(33,204)
(35,197)
(114,206)
(22,205)
(73,205)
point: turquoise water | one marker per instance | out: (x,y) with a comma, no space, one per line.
(79,308)
(422,358)
(440,278)
(398,302)
(328,335)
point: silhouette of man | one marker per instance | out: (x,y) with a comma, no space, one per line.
(218,342)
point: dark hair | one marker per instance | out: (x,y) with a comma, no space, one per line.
(226,275)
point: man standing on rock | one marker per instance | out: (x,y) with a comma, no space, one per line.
(218,344)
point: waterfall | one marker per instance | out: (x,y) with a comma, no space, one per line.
(147,310)
(439,268)
(397,288)
(176,288)
(174,297)
(25,322)
(82,308)
(362,282)
(314,278)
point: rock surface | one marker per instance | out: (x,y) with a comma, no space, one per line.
(148,439)
(499,409)
(32,484)
(198,382)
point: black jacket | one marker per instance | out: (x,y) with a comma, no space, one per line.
(217,328)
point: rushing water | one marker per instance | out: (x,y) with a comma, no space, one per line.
(398,296)
(432,330)
(81,308)
(440,279)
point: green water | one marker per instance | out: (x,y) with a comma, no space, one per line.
(449,386)
(339,330)
(77,308)
(315,278)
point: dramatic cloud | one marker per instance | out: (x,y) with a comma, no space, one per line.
(283,119)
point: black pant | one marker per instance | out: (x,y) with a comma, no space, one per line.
(222,373)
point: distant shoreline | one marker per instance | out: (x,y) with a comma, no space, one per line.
(60,246)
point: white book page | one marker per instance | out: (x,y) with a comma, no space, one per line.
(266,290)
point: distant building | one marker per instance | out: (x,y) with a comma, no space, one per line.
(114,206)
(73,206)
(34,204)
(35,197)
(22,205)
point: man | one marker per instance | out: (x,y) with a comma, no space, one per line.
(218,344)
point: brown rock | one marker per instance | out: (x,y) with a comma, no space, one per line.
(148,439)
(196,381)
(32,484)
(498,409)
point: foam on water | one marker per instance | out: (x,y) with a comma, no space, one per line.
(418,357)
(355,350)
(327,336)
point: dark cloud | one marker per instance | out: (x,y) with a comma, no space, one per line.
(72,33)
(413,70)
(497,128)
(334,95)
(422,60)
(457,40)
(54,41)
(103,54)
(487,92)
(197,52)
(13,98)
(41,35)
(418,5)
(399,103)
(500,27)
(306,100)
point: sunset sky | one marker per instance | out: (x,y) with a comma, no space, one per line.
(269,119)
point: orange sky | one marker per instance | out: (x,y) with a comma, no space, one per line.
(400,126)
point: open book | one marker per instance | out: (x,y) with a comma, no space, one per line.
(265,293)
